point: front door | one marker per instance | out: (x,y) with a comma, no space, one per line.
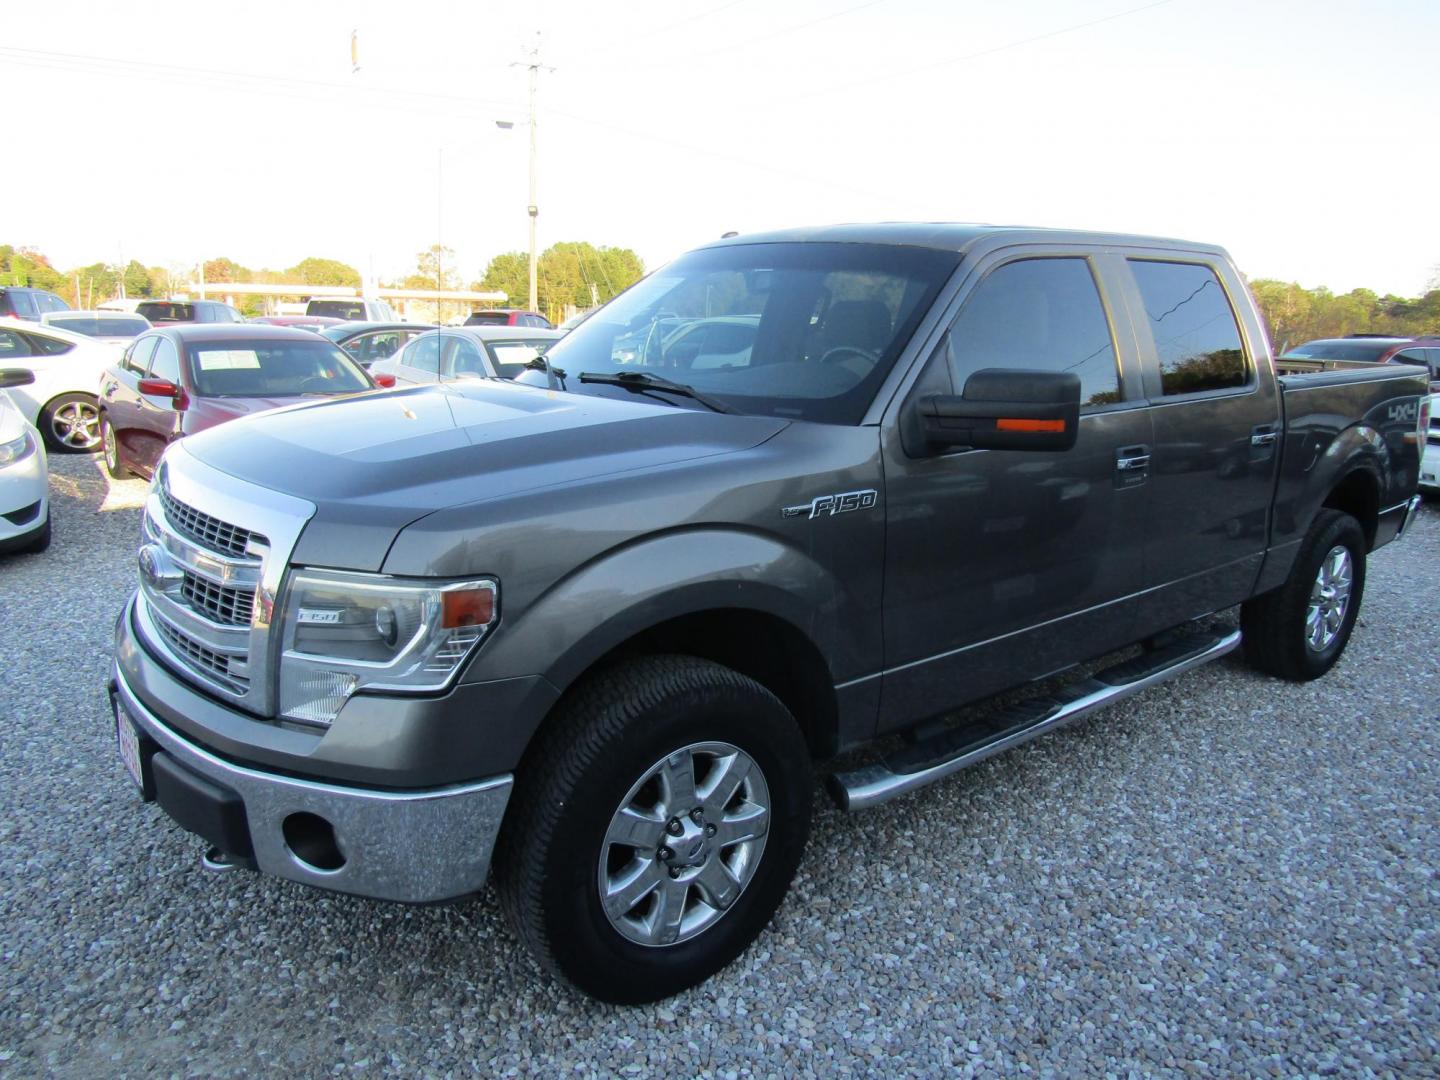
(1003,566)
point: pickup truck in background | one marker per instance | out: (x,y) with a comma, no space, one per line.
(599,627)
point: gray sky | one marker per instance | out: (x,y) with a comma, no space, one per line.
(1298,133)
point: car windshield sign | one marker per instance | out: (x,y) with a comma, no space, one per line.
(803,331)
(273,369)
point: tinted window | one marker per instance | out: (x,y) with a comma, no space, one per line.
(1041,314)
(166,364)
(51,302)
(488,318)
(22,302)
(1196,338)
(337,309)
(102,325)
(48,346)
(137,357)
(1341,350)
(12,346)
(380,345)
(272,368)
(165,310)
(424,354)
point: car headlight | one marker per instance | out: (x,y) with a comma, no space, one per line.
(17,449)
(343,632)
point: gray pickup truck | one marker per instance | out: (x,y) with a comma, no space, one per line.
(791,493)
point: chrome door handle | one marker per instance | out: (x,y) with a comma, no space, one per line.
(1263,438)
(1139,461)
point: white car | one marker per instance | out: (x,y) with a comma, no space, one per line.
(111,327)
(477,352)
(1430,461)
(24,477)
(62,400)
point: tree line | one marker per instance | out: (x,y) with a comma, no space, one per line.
(577,275)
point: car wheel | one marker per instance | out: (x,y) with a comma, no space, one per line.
(655,827)
(110,449)
(1299,630)
(71,422)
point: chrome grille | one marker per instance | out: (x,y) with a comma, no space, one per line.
(210,531)
(218,602)
(198,655)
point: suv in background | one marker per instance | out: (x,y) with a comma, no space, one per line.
(168,312)
(351,309)
(508,317)
(20,302)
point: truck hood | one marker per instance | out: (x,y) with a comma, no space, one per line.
(374,463)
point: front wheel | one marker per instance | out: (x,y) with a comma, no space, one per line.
(1299,630)
(655,827)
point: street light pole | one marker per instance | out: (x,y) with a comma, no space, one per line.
(533,208)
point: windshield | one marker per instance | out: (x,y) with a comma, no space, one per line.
(804,331)
(1341,350)
(512,356)
(273,369)
(102,325)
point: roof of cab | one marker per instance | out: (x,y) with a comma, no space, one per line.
(953,236)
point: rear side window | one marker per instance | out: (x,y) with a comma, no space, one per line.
(12,346)
(49,346)
(1197,340)
(1040,314)
(488,318)
(21,303)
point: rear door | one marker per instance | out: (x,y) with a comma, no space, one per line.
(157,423)
(1217,435)
(1003,566)
(120,392)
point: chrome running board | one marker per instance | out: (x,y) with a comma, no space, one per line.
(947,752)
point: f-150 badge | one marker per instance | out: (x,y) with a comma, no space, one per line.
(842,503)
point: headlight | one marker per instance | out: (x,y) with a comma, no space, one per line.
(17,449)
(340,633)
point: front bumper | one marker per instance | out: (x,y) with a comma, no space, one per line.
(24,499)
(416,846)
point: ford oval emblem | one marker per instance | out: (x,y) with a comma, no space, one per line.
(156,569)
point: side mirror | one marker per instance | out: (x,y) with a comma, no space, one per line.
(1005,409)
(384,381)
(15,377)
(158,388)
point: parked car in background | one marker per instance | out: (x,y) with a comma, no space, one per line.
(576,319)
(508,317)
(368,342)
(177,380)
(22,302)
(1371,347)
(351,309)
(166,312)
(24,476)
(67,367)
(111,327)
(314,323)
(480,352)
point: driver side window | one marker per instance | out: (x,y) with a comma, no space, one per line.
(1042,315)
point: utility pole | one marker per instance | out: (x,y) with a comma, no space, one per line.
(535,67)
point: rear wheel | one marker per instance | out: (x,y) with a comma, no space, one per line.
(110,448)
(655,827)
(1299,630)
(71,422)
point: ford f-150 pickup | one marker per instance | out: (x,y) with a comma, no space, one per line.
(597,629)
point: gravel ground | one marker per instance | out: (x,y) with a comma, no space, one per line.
(1225,875)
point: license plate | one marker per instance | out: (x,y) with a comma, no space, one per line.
(128,741)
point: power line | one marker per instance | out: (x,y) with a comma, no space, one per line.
(826,91)
(783,31)
(629,39)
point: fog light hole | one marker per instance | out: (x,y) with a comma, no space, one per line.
(311,839)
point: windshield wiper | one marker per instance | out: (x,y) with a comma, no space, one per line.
(554,374)
(642,381)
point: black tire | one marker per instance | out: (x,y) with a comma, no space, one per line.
(110,451)
(1274,626)
(64,421)
(608,732)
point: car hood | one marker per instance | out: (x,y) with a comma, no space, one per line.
(372,464)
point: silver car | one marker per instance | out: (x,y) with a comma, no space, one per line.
(476,352)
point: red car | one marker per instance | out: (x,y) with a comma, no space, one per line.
(177,380)
(508,317)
